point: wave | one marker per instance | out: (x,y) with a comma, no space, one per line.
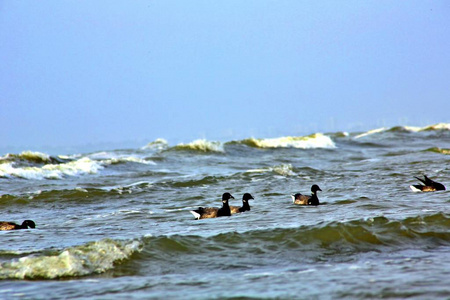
(112,158)
(439,150)
(316,140)
(200,145)
(283,169)
(91,258)
(356,236)
(157,145)
(33,157)
(50,171)
(435,127)
(179,251)
(37,165)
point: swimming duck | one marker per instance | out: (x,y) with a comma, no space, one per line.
(213,212)
(429,185)
(307,200)
(245,205)
(14,226)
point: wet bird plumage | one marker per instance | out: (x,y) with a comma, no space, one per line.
(307,200)
(428,185)
(13,226)
(214,212)
(245,205)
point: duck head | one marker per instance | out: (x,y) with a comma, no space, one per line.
(226,197)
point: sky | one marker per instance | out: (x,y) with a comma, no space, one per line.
(89,72)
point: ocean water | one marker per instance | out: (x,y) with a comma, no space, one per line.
(116,224)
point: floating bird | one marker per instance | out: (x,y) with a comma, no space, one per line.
(14,226)
(427,186)
(307,200)
(245,205)
(213,212)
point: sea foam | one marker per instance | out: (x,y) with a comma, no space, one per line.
(51,171)
(90,258)
(317,140)
(201,145)
(435,127)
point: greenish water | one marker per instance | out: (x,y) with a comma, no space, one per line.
(116,224)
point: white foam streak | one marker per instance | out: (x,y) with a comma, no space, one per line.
(283,169)
(370,132)
(313,141)
(439,126)
(112,158)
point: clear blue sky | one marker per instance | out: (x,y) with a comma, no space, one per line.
(78,72)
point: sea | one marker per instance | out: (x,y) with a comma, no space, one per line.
(116,224)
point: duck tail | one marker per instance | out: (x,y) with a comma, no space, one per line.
(416,187)
(196,214)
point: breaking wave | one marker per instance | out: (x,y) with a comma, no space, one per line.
(91,258)
(157,145)
(201,145)
(317,140)
(283,169)
(50,171)
(439,150)
(435,127)
(33,157)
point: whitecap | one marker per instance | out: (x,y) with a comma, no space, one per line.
(90,258)
(283,169)
(370,132)
(158,145)
(439,126)
(317,140)
(51,171)
(202,145)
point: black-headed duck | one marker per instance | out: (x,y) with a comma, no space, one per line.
(307,200)
(13,226)
(245,205)
(214,212)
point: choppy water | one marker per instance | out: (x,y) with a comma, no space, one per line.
(116,224)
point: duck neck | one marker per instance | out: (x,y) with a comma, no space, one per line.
(245,205)
(225,206)
(225,210)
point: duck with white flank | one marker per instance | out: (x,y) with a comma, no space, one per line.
(307,200)
(213,212)
(427,186)
(245,205)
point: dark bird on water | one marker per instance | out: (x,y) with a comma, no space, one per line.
(427,186)
(214,212)
(307,200)
(245,204)
(13,226)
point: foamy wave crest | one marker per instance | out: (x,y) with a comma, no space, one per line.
(439,150)
(201,145)
(51,171)
(283,169)
(91,258)
(110,158)
(32,157)
(435,127)
(158,145)
(317,140)
(439,126)
(370,132)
